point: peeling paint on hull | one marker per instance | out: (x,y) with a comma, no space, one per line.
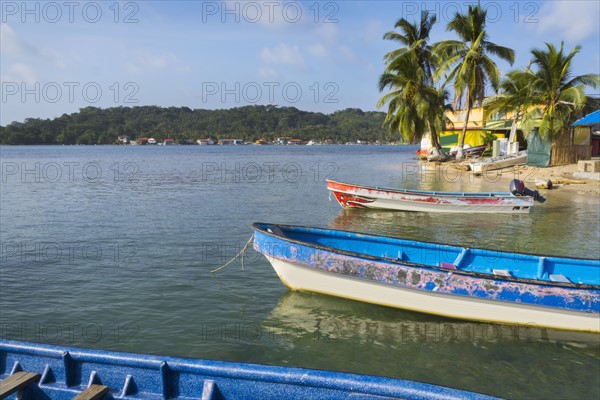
(349,196)
(423,288)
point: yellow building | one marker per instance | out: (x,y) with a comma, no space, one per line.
(454,126)
(480,122)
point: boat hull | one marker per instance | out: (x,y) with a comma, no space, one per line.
(356,196)
(499,163)
(470,152)
(401,280)
(297,276)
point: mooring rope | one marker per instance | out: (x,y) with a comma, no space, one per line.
(241,253)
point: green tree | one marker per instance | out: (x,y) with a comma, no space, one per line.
(515,96)
(466,63)
(404,99)
(415,39)
(556,89)
(413,102)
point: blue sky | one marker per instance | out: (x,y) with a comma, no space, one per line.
(57,57)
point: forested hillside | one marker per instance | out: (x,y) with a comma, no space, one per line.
(93,125)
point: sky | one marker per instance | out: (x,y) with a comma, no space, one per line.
(59,56)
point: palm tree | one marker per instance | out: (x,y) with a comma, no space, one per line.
(406,98)
(555,88)
(515,96)
(409,74)
(436,117)
(466,61)
(415,39)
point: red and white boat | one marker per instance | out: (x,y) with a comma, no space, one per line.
(518,200)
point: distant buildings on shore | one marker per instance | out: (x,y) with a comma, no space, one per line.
(281,141)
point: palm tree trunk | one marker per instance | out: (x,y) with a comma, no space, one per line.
(513,131)
(513,128)
(461,142)
(435,142)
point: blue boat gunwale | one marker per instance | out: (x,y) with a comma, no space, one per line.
(258,226)
(230,370)
(431,193)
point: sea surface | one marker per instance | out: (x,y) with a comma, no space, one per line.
(112,247)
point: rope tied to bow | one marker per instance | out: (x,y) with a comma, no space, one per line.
(241,253)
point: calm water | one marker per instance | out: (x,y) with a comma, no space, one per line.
(112,247)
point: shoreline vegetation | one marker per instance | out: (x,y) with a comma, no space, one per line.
(182,125)
(420,77)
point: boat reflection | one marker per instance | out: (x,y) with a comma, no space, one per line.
(474,230)
(305,316)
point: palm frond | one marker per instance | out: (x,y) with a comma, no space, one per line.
(500,51)
(591,80)
(574,97)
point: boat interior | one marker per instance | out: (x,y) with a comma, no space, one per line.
(498,263)
(426,192)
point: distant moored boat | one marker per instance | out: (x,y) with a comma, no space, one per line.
(519,200)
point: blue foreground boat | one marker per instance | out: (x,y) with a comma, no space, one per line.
(452,281)
(36,371)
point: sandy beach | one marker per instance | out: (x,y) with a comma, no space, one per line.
(561,177)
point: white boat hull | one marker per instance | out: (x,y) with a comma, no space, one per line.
(298,277)
(349,196)
(494,164)
(391,204)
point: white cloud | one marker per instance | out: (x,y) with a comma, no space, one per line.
(12,44)
(282,54)
(53,56)
(20,72)
(146,61)
(327,32)
(267,73)
(571,20)
(318,50)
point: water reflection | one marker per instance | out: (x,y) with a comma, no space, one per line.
(497,232)
(565,225)
(305,316)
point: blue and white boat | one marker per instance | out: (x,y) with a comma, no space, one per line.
(452,281)
(37,371)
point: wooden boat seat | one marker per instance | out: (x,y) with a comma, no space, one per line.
(17,381)
(559,278)
(447,265)
(502,272)
(94,392)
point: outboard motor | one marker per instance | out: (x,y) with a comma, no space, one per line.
(518,188)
